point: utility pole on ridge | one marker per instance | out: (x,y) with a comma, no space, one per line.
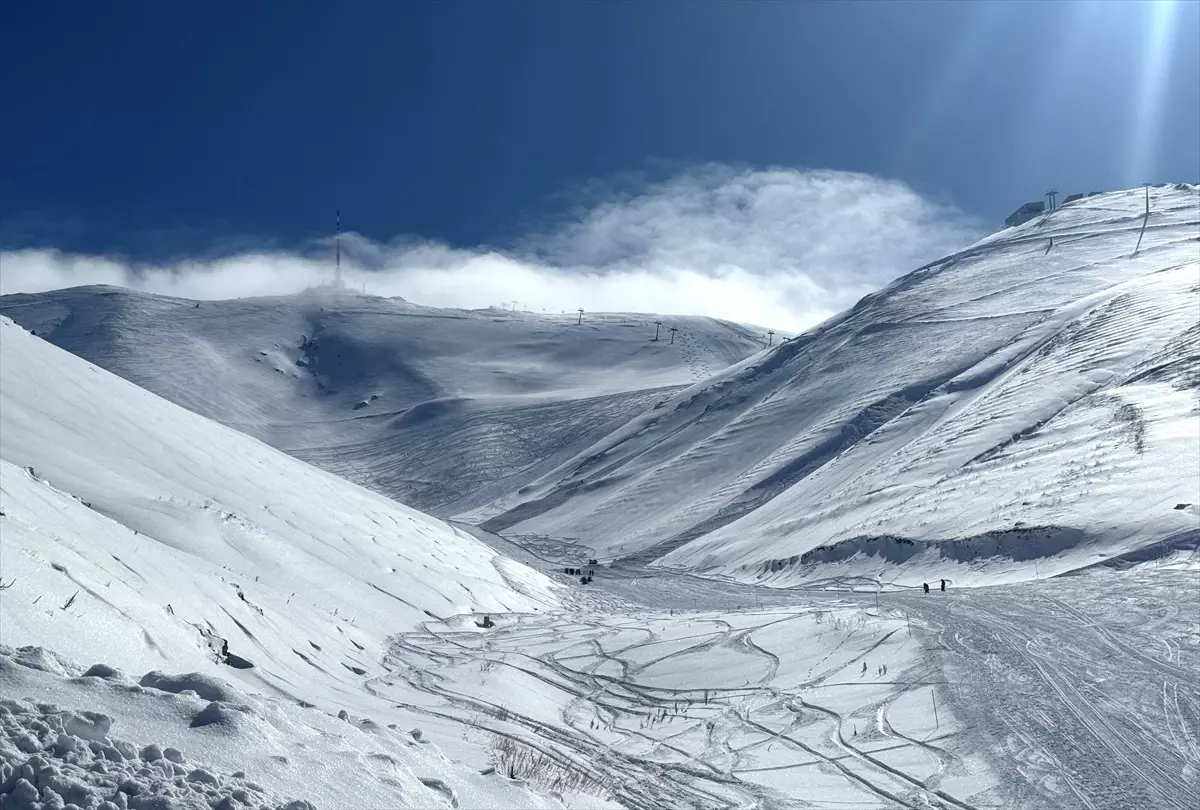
(337,246)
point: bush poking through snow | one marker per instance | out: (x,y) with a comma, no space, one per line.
(517,761)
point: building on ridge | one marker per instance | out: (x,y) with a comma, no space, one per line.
(1025,213)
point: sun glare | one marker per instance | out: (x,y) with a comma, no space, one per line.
(1152,89)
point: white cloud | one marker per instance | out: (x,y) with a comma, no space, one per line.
(776,247)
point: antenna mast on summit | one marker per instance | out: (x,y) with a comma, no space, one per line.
(337,246)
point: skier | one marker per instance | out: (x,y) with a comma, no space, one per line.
(943,586)
(864,672)
(925,585)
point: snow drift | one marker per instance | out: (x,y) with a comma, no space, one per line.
(163,747)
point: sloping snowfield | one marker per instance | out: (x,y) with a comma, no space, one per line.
(1031,398)
(143,537)
(660,690)
(441,409)
(192,620)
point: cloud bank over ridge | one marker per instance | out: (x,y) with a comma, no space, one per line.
(776,247)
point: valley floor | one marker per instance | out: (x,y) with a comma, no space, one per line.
(659,690)
(670,691)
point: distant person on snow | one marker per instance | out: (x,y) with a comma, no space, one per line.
(925,585)
(943,586)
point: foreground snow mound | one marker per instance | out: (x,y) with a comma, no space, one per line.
(142,535)
(1031,400)
(442,409)
(45,763)
(76,739)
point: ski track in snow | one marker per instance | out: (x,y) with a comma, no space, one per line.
(1047,697)
(1077,693)
(1007,401)
(649,688)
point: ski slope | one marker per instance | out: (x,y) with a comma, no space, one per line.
(144,537)
(665,690)
(139,538)
(440,409)
(1024,407)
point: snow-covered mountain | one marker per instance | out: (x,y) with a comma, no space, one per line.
(441,409)
(1032,396)
(145,537)
(190,619)
(1027,401)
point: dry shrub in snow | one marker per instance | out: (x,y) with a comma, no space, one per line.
(518,761)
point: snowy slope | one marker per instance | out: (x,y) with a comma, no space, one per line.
(140,535)
(1032,396)
(441,409)
(90,735)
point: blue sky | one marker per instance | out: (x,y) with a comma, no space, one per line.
(184,129)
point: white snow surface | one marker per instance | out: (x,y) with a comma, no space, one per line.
(1018,409)
(144,537)
(1024,407)
(192,753)
(137,536)
(441,409)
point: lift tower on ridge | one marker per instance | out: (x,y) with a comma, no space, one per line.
(338,282)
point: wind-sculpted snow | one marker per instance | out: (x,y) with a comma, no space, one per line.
(441,409)
(253,592)
(1044,379)
(71,738)
(142,535)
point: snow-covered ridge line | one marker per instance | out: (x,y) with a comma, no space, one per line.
(440,409)
(192,545)
(1038,378)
